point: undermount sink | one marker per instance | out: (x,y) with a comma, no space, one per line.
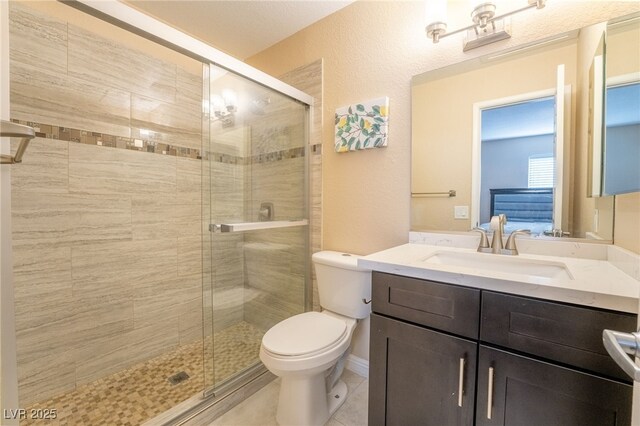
(502,263)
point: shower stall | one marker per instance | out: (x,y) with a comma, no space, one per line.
(160,215)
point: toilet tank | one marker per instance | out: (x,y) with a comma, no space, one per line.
(342,286)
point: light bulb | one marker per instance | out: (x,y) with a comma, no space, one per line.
(435,11)
(436,18)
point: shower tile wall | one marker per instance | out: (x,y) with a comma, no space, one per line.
(228,170)
(275,259)
(107,241)
(223,173)
(308,78)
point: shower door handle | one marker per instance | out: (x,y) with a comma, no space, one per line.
(255,226)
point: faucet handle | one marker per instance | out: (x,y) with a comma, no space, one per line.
(511,241)
(555,232)
(484,241)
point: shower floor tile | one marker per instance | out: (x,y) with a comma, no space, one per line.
(134,395)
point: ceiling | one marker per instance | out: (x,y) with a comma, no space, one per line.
(240,28)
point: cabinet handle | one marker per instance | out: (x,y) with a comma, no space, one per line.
(461,382)
(490,393)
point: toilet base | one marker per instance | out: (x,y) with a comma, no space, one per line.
(336,397)
(302,401)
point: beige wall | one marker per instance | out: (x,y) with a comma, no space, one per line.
(308,78)
(627,227)
(372,49)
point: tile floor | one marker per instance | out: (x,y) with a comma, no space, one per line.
(260,408)
(141,392)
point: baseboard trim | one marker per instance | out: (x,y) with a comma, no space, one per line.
(358,365)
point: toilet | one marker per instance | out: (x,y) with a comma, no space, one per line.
(308,351)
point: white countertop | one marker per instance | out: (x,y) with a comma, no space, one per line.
(596,280)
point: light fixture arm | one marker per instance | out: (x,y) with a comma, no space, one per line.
(482,16)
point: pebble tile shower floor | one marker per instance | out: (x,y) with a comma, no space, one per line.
(135,395)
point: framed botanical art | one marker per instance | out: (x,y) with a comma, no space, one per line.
(362,126)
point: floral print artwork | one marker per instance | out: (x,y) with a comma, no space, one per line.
(362,126)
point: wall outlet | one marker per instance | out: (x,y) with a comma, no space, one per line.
(461,212)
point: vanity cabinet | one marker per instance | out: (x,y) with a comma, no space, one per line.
(423,352)
(443,354)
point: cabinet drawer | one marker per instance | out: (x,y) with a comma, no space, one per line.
(564,333)
(442,306)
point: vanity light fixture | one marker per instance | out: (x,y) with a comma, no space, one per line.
(486,28)
(534,45)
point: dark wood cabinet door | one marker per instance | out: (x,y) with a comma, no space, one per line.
(415,376)
(527,392)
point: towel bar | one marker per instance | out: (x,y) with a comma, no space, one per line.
(449,193)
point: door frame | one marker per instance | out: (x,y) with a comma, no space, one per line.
(477,143)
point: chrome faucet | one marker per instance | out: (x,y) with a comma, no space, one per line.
(497,247)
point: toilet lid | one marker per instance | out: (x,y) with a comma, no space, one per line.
(304,333)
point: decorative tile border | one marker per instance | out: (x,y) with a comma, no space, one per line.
(257,159)
(49,131)
(278,155)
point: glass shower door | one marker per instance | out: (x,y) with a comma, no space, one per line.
(256,245)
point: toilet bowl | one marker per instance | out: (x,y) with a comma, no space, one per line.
(304,351)
(308,351)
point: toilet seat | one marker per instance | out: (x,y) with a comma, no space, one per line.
(304,335)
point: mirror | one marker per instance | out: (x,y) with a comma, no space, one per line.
(621,142)
(448,133)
